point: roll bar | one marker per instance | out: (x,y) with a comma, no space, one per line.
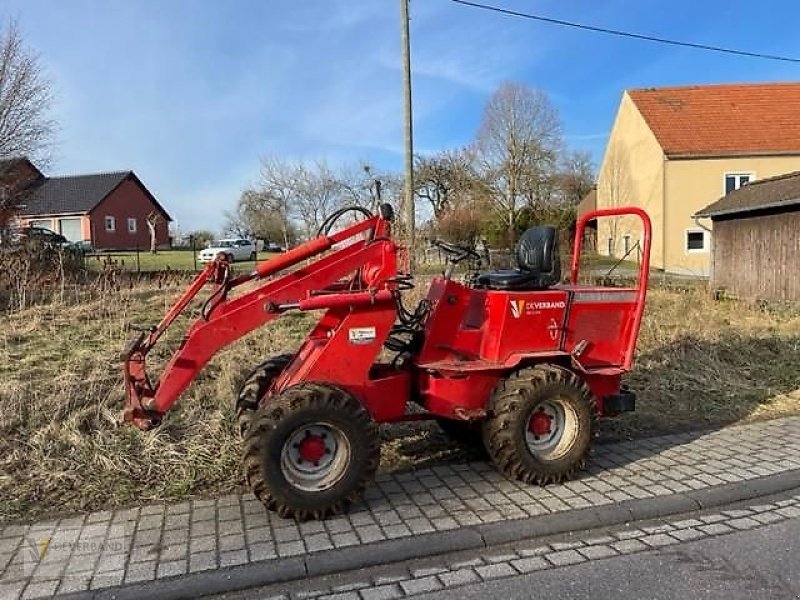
(644,267)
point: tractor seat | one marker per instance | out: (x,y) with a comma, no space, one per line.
(538,260)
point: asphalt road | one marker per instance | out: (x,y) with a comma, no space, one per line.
(754,564)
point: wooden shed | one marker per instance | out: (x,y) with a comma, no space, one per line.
(756,239)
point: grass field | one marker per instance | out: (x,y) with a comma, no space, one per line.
(700,364)
(183,260)
(174,260)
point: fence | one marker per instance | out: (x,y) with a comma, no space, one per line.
(141,260)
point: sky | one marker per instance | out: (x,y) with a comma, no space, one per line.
(192,94)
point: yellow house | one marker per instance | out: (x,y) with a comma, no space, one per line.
(673,151)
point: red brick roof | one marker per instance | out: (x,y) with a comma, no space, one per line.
(723,120)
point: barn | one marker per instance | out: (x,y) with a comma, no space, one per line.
(107,211)
(756,239)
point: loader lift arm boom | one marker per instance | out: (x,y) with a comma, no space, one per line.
(372,258)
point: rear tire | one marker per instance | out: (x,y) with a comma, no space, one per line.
(311,451)
(256,384)
(540,424)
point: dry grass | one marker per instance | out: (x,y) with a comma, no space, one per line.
(705,363)
(701,363)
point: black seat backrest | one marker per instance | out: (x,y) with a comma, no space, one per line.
(537,251)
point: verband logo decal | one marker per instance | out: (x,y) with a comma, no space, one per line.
(521,307)
(517,308)
(548,304)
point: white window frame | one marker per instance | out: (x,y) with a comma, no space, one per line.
(738,175)
(112,220)
(706,241)
(132,221)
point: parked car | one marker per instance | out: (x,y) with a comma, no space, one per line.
(234,249)
(84,246)
(39,235)
(273,247)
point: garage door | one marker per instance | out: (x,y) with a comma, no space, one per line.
(70,229)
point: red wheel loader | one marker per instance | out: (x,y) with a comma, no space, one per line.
(517,355)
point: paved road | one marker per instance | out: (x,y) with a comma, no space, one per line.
(759,563)
(750,549)
(230,542)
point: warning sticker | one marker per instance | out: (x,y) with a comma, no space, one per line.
(361,335)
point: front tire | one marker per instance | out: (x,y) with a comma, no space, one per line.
(540,424)
(311,451)
(256,384)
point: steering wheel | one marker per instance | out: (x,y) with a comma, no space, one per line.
(456,252)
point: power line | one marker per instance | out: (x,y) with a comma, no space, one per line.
(627,34)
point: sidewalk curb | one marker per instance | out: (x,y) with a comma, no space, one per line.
(328,562)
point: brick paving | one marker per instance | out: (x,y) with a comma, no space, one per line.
(521,558)
(110,548)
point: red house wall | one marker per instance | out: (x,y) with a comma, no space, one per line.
(129,200)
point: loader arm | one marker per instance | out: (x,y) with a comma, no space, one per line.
(283,284)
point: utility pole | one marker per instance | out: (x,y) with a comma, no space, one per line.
(408,190)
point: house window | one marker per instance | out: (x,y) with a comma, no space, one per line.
(111,224)
(626,240)
(131,225)
(696,240)
(733,181)
(611,246)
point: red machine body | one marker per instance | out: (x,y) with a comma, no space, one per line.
(472,337)
(534,365)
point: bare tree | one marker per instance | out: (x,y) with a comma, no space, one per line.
(446,179)
(309,193)
(260,215)
(365,185)
(153,219)
(277,192)
(300,196)
(615,184)
(25,101)
(575,177)
(518,143)
(318,194)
